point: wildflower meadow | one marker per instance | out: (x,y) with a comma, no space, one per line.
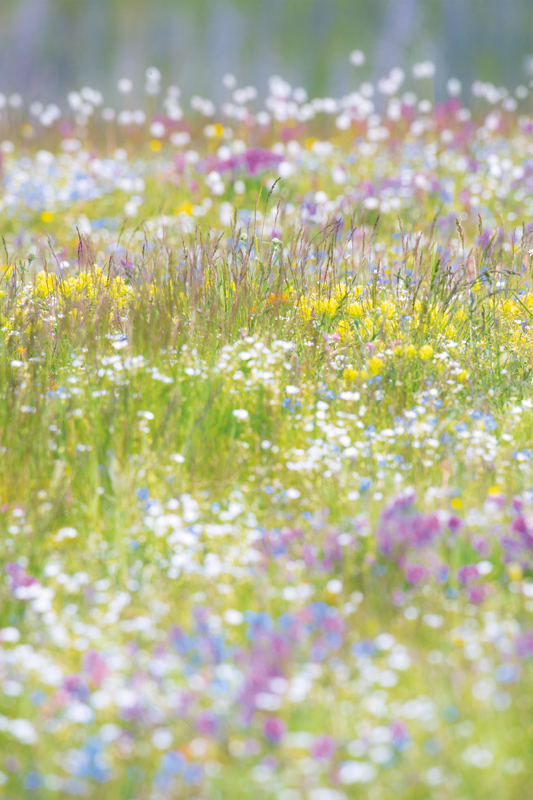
(266,501)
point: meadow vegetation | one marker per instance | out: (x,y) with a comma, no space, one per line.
(266,421)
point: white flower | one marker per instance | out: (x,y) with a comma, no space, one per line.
(162,738)
(357,58)
(240,413)
(356,772)
(233,617)
(24,731)
(66,533)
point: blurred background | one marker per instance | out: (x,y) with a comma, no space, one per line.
(48,47)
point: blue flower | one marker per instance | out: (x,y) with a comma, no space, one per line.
(257,623)
(33,780)
(319,609)
(364,649)
(490,423)
(506,673)
(181,642)
(333,639)
(173,762)
(450,713)
(192,773)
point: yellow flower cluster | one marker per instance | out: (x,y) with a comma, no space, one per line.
(45,283)
(363,317)
(91,285)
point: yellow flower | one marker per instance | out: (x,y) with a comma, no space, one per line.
(47,216)
(45,283)
(515,572)
(375,365)
(425,352)
(349,374)
(155,145)
(185,208)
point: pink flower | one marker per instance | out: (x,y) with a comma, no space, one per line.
(95,667)
(400,735)
(480,544)
(524,644)
(478,593)
(206,723)
(274,729)
(467,573)
(323,748)
(253,160)
(22,586)
(414,573)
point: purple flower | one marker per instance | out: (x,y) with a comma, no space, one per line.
(400,735)
(207,723)
(22,585)
(520,526)
(414,573)
(253,160)
(274,729)
(323,748)
(95,667)
(480,544)
(467,574)
(524,644)
(454,523)
(401,527)
(478,593)
(76,687)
